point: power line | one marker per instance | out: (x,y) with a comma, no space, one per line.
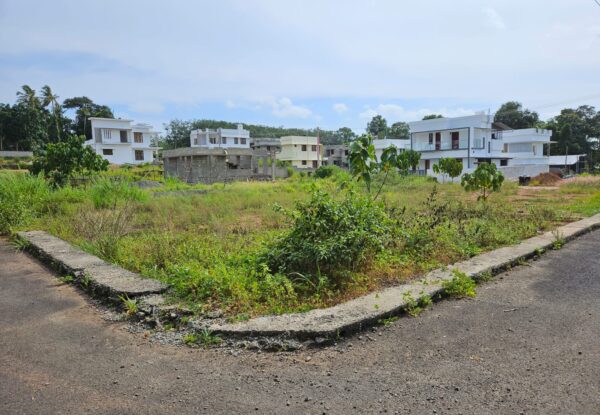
(597,2)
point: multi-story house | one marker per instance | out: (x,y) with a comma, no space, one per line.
(337,155)
(477,139)
(221,138)
(268,145)
(122,142)
(301,152)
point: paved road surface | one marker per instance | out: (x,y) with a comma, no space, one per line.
(529,343)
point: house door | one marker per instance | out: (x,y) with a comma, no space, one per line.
(438,141)
(426,164)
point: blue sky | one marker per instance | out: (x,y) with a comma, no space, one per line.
(304,63)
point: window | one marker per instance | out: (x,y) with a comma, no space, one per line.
(304,162)
(313,148)
(315,164)
(223,140)
(243,140)
(139,138)
(195,141)
(303,148)
(213,140)
(345,152)
(139,155)
(505,148)
(426,164)
(236,140)
(107,151)
(106,133)
(455,139)
(504,162)
(123,135)
(430,138)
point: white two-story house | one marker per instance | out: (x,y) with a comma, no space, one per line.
(477,139)
(221,138)
(122,142)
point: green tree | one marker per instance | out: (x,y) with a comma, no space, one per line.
(575,129)
(432,116)
(512,114)
(346,134)
(485,179)
(84,109)
(363,162)
(61,161)
(31,119)
(398,130)
(377,127)
(412,157)
(448,167)
(50,98)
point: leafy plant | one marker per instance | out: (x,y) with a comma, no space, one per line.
(190,338)
(485,179)
(60,161)
(207,338)
(363,162)
(328,236)
(130,304)
(559,239)
(415,307)
(461,285)
(448,167)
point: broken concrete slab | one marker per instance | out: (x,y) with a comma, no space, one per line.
(362,312)
(103,278)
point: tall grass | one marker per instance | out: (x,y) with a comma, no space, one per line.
(206,245)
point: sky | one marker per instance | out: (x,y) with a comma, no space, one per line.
(304,63)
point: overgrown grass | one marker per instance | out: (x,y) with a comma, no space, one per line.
(208,246)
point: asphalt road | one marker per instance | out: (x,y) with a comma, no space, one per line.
(529,343)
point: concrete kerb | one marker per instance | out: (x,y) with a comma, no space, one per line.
(362,312)
(101,279)
(110,282)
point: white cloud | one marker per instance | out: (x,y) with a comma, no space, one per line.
(285,108)
(494,19)
(394,113)
(340,108)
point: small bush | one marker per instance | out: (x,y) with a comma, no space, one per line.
(329,236)
(461,285)
(325,171)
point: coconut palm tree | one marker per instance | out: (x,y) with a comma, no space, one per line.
(49,98)
(27,97)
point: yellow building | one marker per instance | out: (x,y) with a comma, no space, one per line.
(301,152)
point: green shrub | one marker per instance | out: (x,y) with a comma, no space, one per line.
(461,285)
(329,236)
(107,193)
(23,197)
(325,171)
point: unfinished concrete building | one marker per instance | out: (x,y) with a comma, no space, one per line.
(204,165)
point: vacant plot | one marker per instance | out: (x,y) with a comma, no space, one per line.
(242,247)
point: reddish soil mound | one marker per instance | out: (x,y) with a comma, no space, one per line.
(546,179)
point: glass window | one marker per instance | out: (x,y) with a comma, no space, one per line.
(107,151)
(303,148)
(139,138)
(139,154)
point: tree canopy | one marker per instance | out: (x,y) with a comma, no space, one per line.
(515,116)
(377,127)
(398,130)
(37,119)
